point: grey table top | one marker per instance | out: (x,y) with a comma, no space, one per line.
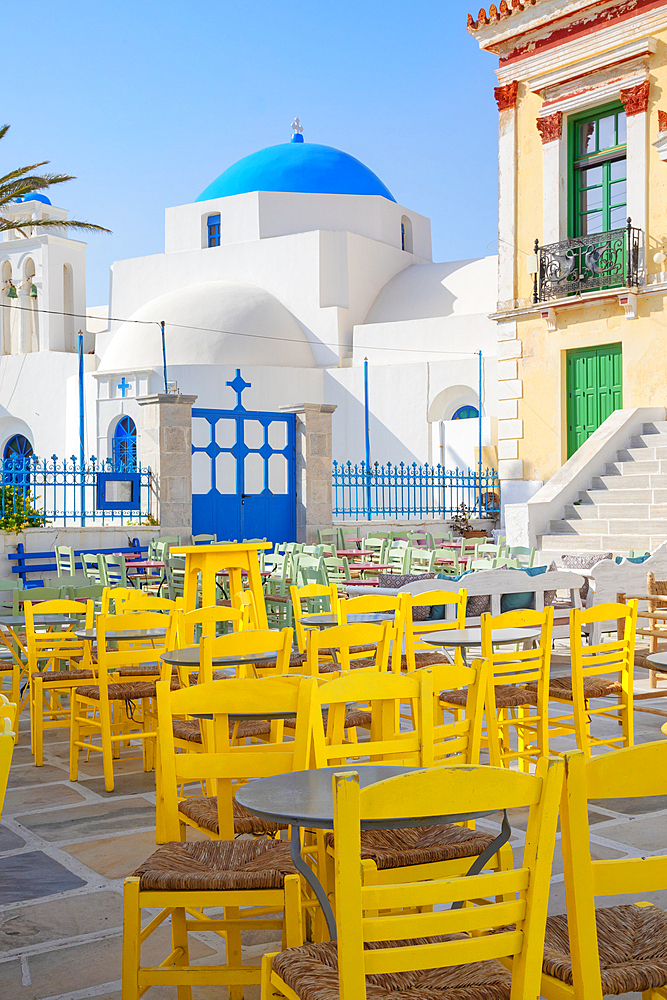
(304,798)
(658,661)
(189,657)
(473,636)
(328,620)
(139,633)
(43,619)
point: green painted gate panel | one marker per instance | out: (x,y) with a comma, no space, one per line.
(594,390)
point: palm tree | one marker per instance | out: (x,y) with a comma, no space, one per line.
(23,182)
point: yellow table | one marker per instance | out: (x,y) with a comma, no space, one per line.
(212,559)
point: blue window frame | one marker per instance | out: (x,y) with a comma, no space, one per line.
(125,445)
(18,447)
(17,471)
(466,413)
(213,223)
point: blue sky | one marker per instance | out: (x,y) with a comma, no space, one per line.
(147,102)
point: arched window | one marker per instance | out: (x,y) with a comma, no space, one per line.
(406,234)
(465,413)
(125,445)
(213,225)
(18,447)
(29,314)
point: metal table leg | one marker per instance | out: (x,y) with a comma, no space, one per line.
(313,881)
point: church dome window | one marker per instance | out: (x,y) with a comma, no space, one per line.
(125,445)
(466,413)
(18,446)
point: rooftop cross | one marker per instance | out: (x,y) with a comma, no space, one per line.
(296,126)
(238,384)
(124,386)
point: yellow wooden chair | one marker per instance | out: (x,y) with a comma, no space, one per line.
(318,598)
(375,604)
(9,711)
(8,731)
(251,879)
(518,686)
(612,949)
(589,681)
(417,652)
(51,685)
(91,705)
(381,930)
(334,649)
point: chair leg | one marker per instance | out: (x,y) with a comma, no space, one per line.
(131,939)
(293,920)
(107,748)
(234,953)
(37,719)
(74,735)
(179,939)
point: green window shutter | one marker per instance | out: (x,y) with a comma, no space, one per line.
(597,201)
(594,390)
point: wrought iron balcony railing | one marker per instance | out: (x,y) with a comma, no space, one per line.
(588,263)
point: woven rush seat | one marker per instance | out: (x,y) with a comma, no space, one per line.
(368,648)
(312,972)
(424,659)
(216,865)
(632,942)
(189,729)
(125,691)
(419,845)
(204,811)
(63,675)
(353,717)
(507,696)
(594,687)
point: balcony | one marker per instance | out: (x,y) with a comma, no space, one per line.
(589,264)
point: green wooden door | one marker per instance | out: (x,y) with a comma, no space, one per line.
(594,390)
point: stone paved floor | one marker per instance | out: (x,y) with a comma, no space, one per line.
(66,847)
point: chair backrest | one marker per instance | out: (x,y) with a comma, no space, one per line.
(204,621)
(481,564)
(459,740)
(384,693)
(329,536)
(139,600)
(520,666)
(398,556)
(308,569)
(91,566)
(502,562)
(174,571)
(318,598)
(65,560)
(453,611)
(421,560)
(204,539)
(523,553)
(377,545)
(249,642)
(341,637)
(436,538)
(53,643)
(514,918)
(113,572)
(336,569)
(366,604)
(94,594)
(220,762)
(132,652)
(55,582)
(634,772)
(36,595)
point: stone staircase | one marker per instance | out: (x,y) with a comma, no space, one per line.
(625,508)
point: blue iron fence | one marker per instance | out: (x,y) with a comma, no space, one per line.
(412,491)
(50,491)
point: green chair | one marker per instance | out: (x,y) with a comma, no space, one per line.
(204,539)
(329,536)
(421,560)
(276,590)
(377,547)
(91,567)
(83,594)
(113,571)
(65,560)
(451,567)
(78,580)
(335,569)
(437,538)
(174,571)
(523,553)
(307,562)
(36,594)
(398,557)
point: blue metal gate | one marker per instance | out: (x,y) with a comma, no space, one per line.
(244,472)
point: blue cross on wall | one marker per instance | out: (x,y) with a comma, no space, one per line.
(238,384)
(124,386)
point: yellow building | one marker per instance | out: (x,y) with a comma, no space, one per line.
(582,101)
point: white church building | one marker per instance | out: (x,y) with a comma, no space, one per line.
(294,265)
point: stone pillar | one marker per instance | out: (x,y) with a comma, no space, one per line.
(313,468)
(166,446)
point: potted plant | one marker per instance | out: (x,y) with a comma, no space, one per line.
(461,521)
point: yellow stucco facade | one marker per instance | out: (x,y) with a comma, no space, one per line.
(558,60)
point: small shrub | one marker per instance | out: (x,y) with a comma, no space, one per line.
(19,512)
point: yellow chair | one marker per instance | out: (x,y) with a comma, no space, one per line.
(251,879)
(318,598)
(9,711)
(333,649)
(8,730)
(417,652)
(518,682)
(91,705)
(382,931)
(612,949)
(376,604)
(590,664)
(191,626)
(51,686)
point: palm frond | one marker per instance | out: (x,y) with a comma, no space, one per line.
(21,171)
(6,224)
(3,131)
(25,186)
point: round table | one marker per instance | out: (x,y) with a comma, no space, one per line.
(305,799)
(330,621)
(464,637)
(10,620)
(190,657)
(657,661)
(126,635)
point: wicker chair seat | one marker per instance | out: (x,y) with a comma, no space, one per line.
(419,845)
(425,659)
(369,647)
(204,811)
(507,696)
(594,687)
(312,972)
(353,717)
(188,729)
(632,942)
(201,865)
(63,675)
(124,691)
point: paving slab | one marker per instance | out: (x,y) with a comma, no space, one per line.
(72,823)
(10,841)
(34,874)
(27,775)
(648,834)
(40,797)
(60,918)
(133,783)
(121,765)
(634,807)
(11,979)
(114,857)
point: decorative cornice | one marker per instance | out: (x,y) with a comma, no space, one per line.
(506,96)
(662,121)
(635,99)
(498,13)
(550,127)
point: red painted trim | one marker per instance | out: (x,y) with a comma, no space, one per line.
(614,15)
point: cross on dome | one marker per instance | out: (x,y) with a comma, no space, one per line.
(296,126)
(238,384)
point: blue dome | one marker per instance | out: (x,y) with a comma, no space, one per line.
(36,197)
(303,167)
